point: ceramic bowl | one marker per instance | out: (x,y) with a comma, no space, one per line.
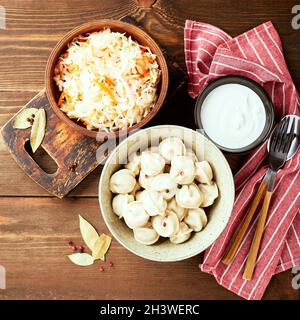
(137,34)
(218,213)
(259,90)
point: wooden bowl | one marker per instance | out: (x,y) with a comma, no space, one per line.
(130,30)
(218,214)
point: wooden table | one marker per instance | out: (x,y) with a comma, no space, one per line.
(35,227)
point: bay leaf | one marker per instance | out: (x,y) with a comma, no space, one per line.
(101,247)
(38,129)
(88,232)
(21,119)
(81,259)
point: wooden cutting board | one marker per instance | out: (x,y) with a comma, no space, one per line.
(75,155)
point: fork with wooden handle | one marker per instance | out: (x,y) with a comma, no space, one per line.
(279,146)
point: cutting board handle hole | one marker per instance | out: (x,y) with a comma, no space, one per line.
(42,158)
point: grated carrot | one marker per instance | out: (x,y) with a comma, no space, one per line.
(110,81)
(61,99)
(107,90)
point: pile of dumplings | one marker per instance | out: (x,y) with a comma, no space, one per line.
(162,192)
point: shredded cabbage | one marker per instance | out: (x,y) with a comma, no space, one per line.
(108,81)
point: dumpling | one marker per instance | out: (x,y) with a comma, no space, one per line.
(120,202)
(189,196)
(139,195)
(183,169)
(210,192)
(145,180)
(154,203)
(204,172)
(122,181)
(190,153)
(166,226)
(135,215)
(170,147)
(196,219)
(165,184)
(145,235)
(183,234)
(134,163)
(152,163)
(173,206)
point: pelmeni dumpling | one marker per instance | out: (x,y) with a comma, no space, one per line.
(120,202)
(145,180)
(189,196)
(190,153)
(183,234)
(204,172)
(154,203)
(165,201)
(145,235)
(139,195)
(166,226)
(183,169)
(196,219)
(165,184)
(122,181)
(134,163)
(210,192)
(135,215)
(175,207)
(170,147)
(152,163)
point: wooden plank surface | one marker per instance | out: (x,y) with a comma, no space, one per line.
(35,227)
(34,247)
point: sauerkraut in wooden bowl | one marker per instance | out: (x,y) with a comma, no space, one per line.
(106,78)
(166,193)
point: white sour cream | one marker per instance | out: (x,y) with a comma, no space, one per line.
(233,116)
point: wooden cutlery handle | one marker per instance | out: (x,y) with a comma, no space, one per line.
(251,261)
(243,228)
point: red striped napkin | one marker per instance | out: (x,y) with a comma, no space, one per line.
(211,53)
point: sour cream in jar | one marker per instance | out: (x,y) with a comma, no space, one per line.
(233,116)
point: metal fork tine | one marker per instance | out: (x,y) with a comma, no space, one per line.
(274,138)
(283,134)
(290,138)
(278,138)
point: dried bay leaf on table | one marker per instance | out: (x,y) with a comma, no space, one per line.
(88,232)
(38,130)
(101,247)
(21,120)
(81,259)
